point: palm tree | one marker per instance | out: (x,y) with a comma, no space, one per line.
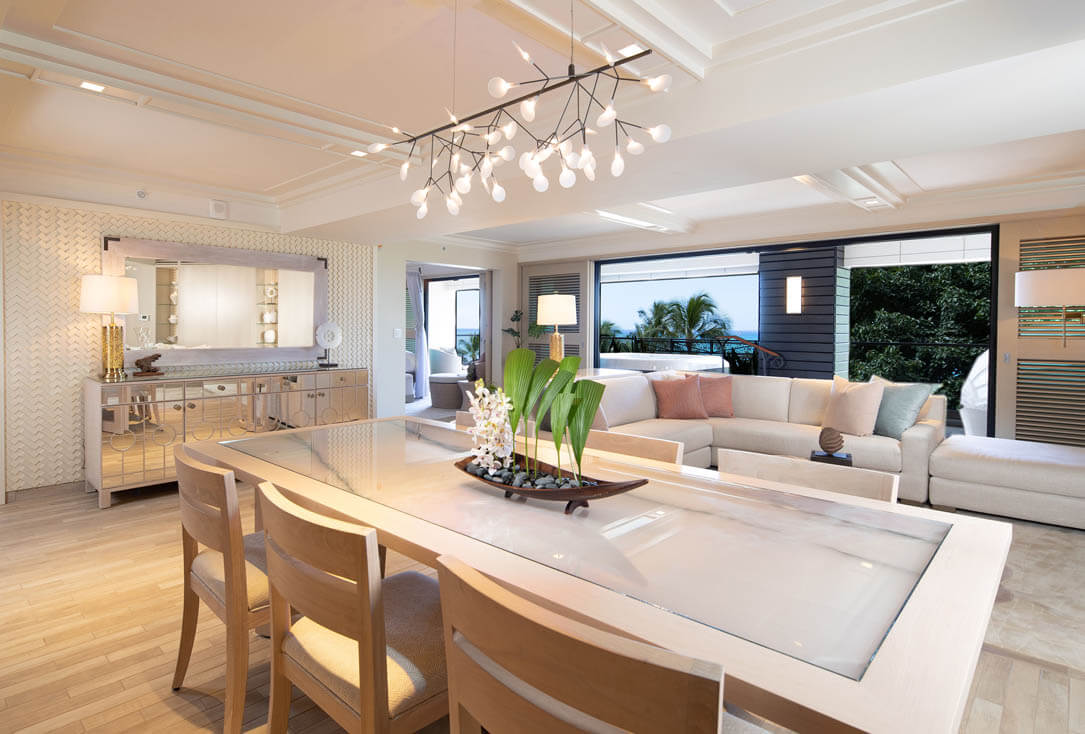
(608,331)
(697,318)
(469,346)
(655,322)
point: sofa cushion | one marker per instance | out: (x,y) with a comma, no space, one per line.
(692,434)
(900,406)
(628,399)
(809,399)
(717,393)
(679,398)
(761,397)
(799,439)
(853,406)
(1003,462)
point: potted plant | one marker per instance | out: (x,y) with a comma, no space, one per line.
(547,389)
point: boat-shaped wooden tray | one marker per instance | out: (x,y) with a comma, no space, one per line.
(574,497)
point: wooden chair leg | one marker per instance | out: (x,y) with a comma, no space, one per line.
(382,553)
(237,673)
(460,721)
(189,616)
(279,700)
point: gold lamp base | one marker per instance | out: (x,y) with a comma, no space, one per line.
(113,353)
(557,346)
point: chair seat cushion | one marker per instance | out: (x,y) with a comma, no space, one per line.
(207,566)
(798,439)
(692,434)
(1002,462)
(415,647)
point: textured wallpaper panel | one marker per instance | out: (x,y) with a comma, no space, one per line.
(50,347)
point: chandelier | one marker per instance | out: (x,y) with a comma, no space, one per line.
(453,154)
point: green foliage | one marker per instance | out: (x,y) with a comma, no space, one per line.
(519,366)
(514,330)
(698,317)
(588,395)
(920,303)
(559,419)
(469,347)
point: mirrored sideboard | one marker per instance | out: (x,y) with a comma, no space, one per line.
(130,428)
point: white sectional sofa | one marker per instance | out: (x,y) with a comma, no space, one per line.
(775,415)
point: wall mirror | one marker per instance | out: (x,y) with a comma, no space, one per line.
(204,305)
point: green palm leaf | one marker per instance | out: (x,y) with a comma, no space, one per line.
(518,368)
(542,374)
(559,419)
(588,395)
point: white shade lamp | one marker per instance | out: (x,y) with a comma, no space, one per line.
(111,294)
(556,310)
(1061,287)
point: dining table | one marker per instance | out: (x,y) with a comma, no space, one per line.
(827,612)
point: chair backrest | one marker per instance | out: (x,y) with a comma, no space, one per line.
(645,447)
(848,480)
(208,497)
(516,666)
(328,570)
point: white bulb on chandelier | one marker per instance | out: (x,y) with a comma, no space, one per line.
(403,170)
(422,210)
(454,162)
(607,116)
(455,196)
(523,54)
(376,147)
(635,147)
(527,108)
(661,83)
(607,54)
(586,157)
(507,153)
(498,192)
(463,184)
(462,127)
(498,87)
(524,158)
(486,167)
(509,128)
(533,169)
(660,133)
(572,159)
(617,166)
(419,197)
(541,183)
(567,178)
(589,171)
(452,206)
(492,137)
(543,155)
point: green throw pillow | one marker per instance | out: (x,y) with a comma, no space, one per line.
(900,406)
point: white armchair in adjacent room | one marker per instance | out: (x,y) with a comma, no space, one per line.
(446,370)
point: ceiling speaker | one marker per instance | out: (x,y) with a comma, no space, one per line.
(219,209)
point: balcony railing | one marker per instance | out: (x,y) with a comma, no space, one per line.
(744,355)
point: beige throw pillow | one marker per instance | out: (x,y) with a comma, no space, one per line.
(853,406)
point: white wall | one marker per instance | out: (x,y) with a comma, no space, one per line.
(50,347)
(390,310)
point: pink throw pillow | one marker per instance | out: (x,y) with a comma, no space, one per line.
(716,395)
(679,398)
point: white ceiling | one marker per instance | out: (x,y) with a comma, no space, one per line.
(878,108)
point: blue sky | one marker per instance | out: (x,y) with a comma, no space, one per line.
(736,296)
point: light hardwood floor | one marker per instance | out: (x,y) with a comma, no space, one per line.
(90,610)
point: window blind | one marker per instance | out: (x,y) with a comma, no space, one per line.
(1060,252)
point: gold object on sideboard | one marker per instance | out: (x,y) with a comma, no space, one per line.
(113,352)
(110,294)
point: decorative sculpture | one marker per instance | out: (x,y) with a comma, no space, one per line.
(146,366)
(830,440)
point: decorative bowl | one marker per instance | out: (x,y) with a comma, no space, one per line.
(574,497)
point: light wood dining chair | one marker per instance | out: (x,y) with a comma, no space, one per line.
(876,485)
(368,652)
(228,574)
(516,666)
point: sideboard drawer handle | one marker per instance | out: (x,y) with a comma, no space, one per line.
(320,394)
(177,406)
(310,395)
(192,406)
(222,388)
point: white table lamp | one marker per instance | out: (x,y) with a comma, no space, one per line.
(1052,287)
(111,294)
(556,310)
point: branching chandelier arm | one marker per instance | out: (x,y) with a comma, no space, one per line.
(458,150)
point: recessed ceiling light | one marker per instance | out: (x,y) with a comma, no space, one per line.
(655,207)
(630,50)
(359,153)
(92,86)
(629,221)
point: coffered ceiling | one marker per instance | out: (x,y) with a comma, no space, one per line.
(874,106)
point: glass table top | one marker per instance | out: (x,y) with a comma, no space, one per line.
(816,580)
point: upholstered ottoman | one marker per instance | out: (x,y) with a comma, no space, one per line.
(1042,482)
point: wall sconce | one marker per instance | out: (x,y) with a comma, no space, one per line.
(794,294)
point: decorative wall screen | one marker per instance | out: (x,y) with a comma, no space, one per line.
(1051,401)
(1059,252)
